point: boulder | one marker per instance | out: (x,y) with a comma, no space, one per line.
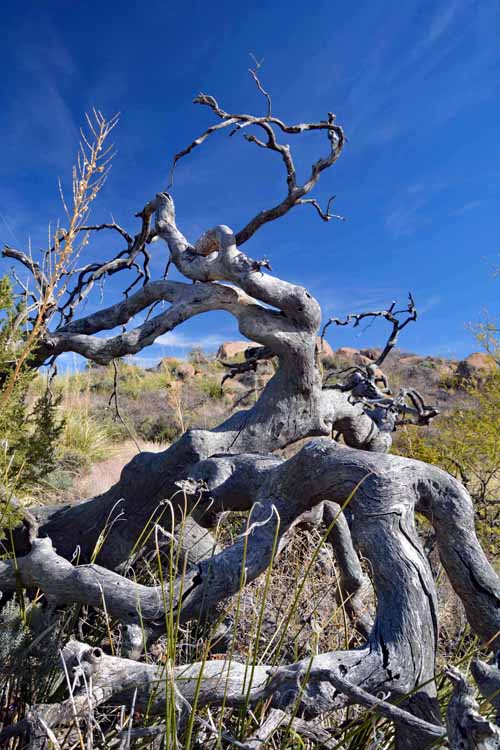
(184,371)
(476,365)
(231,349)
(178,367)
(353,356)
(407,360)
(323,348)
(348,352)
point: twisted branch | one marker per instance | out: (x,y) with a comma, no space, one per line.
(390,315)
(296,192)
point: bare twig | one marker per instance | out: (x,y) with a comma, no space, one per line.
(253,355)
(259,85)
(325,215)
(113,399)
(390,315)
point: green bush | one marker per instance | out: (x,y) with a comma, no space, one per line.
(466,443)
(29,431)
(160,428)
(211,388)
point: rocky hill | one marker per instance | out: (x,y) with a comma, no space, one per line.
(158,404)
(442,381)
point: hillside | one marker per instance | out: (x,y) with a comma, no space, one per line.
(152,407)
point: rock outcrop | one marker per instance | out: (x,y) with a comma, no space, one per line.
(476,366)
(353,356)
(178,367)
(324,348)
(231,349)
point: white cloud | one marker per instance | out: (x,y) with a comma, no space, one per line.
(174,340)
(409,209)
(428,304)
(404,218)
(470,206)
(439,25)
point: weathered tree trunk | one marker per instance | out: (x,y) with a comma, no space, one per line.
(231,467)
(384,491)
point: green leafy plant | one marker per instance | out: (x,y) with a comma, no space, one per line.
(466,444)
(28,431)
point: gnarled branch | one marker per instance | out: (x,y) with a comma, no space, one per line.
(267,126)
(391,315)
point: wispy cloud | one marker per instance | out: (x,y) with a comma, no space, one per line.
(10,230)
(410,208)
(341,302)
(37,100)
(174,340)
(470,206)
(457,348)
(439,24)
(405,215)
(381,135)
(447,69)
(429,304)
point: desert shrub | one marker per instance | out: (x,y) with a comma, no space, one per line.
(31,636)
(28,429)
(466,443)
(211,388)
(159,428)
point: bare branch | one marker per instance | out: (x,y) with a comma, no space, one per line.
(253,355)
(325,215)
(467,729)
(29,263)
(100,678)
(296,193)
(390,315)
(113,225)
(259,85)
(124,260)
(362,385)
(187,300)
(487,678)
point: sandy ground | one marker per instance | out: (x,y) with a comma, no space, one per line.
(104,474)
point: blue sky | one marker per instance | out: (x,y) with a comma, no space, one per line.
(415,86)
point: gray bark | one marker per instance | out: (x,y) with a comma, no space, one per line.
(467,728)
(98,678)
(384,492)
(487,677)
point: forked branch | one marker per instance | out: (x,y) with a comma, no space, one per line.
(391,315)
(267,139)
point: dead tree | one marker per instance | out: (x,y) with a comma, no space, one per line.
(234,466)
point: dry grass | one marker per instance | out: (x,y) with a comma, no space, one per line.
(303,613)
